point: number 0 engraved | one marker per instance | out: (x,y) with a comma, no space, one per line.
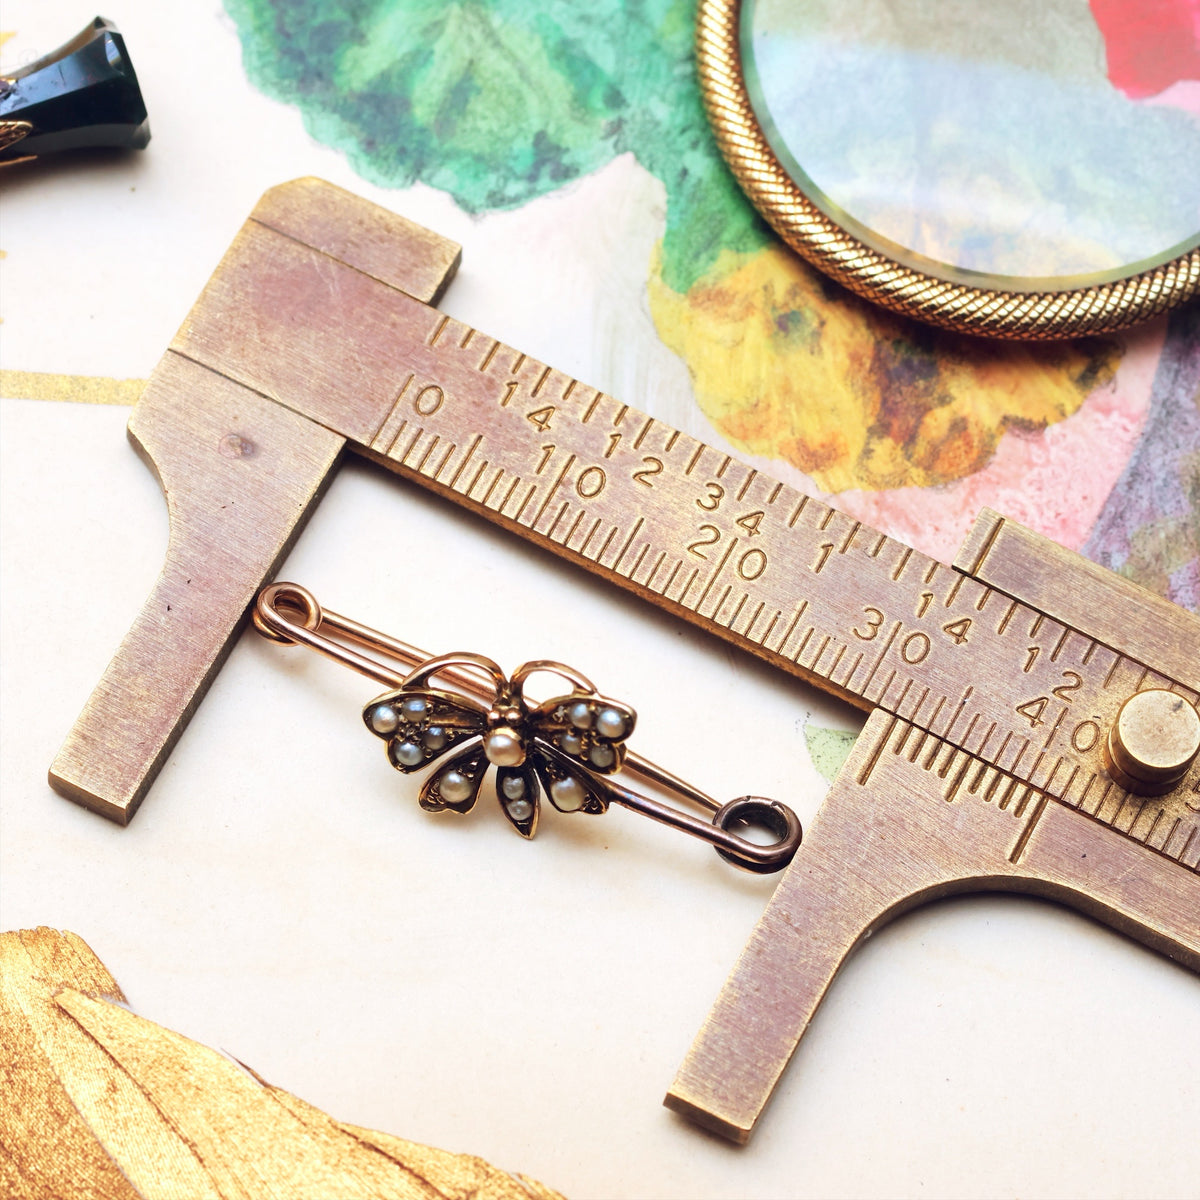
(428,400)
(752,564)
(915,648)
(591,482)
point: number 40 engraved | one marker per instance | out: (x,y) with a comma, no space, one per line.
(1085,734)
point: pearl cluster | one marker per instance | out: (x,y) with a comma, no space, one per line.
(515,797)
(582,726)
(416,742)
(592,727)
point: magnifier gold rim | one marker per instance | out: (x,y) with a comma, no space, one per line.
(1029,315)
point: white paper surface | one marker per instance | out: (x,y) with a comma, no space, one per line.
(280,895)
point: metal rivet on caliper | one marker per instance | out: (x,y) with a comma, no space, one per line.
(1153,741)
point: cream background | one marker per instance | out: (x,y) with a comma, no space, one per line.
(280,896)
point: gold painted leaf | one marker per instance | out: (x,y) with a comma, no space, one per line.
(99,1102)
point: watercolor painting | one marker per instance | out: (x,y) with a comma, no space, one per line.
(497,105)
(912,429)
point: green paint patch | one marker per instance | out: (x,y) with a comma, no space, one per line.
(828,748)
(497,103)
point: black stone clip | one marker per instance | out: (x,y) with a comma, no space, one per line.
(84,94)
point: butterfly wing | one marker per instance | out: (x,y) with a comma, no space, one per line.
(587,729)
(517,790)
(455,783)
(570,787)
(421,724)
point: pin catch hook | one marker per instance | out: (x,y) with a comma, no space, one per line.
(571,745)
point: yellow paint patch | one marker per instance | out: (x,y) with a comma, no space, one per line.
(7,35)
(790,366)
(83,389)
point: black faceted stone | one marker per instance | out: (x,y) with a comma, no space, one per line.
(84,94)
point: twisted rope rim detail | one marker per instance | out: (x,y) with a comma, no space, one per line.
(1039,316)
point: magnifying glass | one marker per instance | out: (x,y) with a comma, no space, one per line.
(1008,168)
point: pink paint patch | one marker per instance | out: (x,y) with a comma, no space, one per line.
(1184,95)
(1150,44)
(1055,481)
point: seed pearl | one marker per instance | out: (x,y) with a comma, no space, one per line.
(513,788)
(383,719)
(572,743)
(520,810)
(454,787)
(601,755)
(408,754)
(435,737)
(503,746)
(580,715)
(568,794)
(414,708)
(610,723)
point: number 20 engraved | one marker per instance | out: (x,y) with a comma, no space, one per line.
(749,566)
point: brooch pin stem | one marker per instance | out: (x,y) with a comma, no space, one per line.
(574,743)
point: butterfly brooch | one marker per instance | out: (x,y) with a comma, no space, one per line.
(563,746)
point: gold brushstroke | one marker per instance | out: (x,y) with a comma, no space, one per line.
(102,1103)
(82,389)
(50,1149)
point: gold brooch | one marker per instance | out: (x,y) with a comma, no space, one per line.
(456,715)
